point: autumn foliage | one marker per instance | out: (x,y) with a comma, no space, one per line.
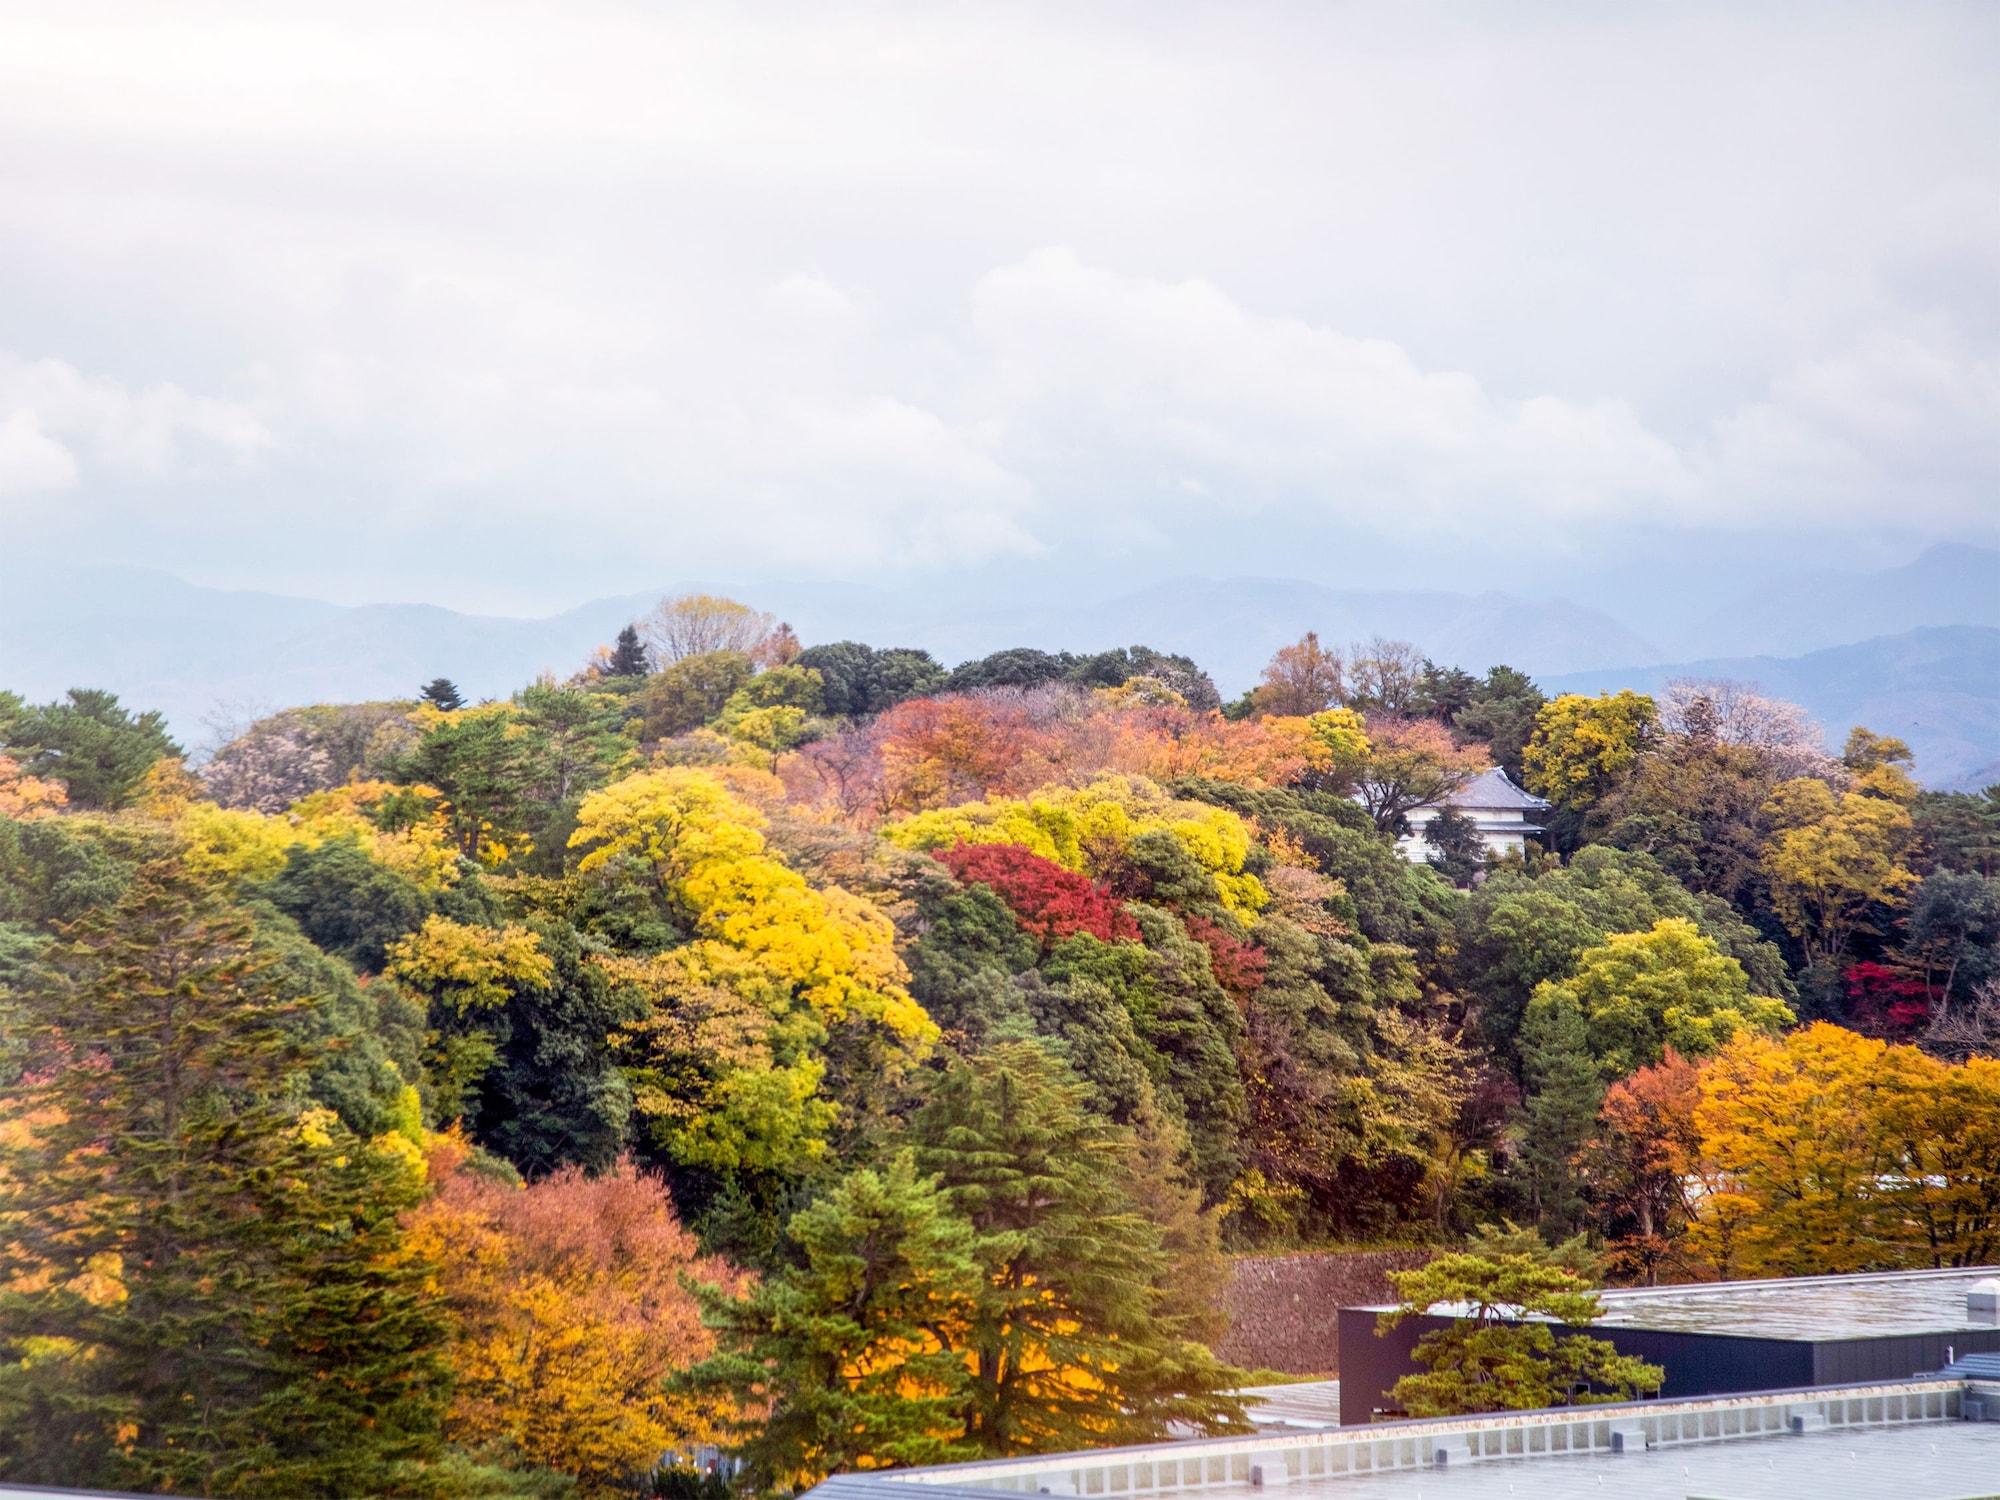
(1049,902)
(571,1310)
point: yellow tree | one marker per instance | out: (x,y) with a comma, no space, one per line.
(727,1063)
(1583,746)
(1944,1120)
(1091,830)
(1831,859)
(25,796)
(1793,1159)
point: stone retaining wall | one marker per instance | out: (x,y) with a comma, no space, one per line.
(1281,1307)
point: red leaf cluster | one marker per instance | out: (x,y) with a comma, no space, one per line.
(1884,1002)
(1049,902)
(1239,966)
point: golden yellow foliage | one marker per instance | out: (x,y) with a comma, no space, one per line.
(476,968)
(571,1313)
(1832,858)
(1826,1151)
(756,920)
(1089,830)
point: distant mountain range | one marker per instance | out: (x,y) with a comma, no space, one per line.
(1937,688)
(192,651)
(161,642)
(1949,584)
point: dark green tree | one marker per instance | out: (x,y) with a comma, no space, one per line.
(485,763)
(556,1095)
(241,1314)
(1952,935)
(441,693)
(1445,692)
(847,1357)
(690,692)
(628,657)
(1558,1116)
(860,680)
(1187,1025)
(1069,1336)
(1501,711)
(1958,830)
(1457,851)
(96,749)
(1018,666)
(346,902)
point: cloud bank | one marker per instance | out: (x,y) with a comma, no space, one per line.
(508,306)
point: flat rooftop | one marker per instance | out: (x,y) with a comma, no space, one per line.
(1937,1461)
(1811,1309)
(1919,1439)
(1808,1308)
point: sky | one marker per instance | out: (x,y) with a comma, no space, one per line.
(506,306)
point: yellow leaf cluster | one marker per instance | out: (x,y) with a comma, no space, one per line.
(1833,857)
(756,920)
(476,968)
(1826,1151)
(571,1313)
(1090,829)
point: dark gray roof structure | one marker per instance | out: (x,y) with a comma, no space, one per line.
(1493,790)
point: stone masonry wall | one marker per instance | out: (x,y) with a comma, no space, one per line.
(1281,1307)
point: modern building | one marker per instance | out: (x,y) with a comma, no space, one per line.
(1504,815)
(1929,1439)
(1719,1337)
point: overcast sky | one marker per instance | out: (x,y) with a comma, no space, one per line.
(509,306)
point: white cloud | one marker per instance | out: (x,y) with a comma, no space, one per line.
(1096,370)
(763,291)
(31,460)
(51,409)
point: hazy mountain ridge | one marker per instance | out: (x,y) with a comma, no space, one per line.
(162,642)
(1937,687)
(1952,583)
(196,652)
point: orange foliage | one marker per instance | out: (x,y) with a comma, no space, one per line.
(570,1313)
(1646,1145)
(937,752)
(25,796)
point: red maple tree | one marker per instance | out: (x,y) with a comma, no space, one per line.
(1049,902)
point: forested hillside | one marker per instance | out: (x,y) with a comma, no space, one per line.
(833,1057)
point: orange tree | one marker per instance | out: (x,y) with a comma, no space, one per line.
(571,1312)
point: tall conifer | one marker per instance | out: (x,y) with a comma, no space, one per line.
(1072,1341)
(207,1289)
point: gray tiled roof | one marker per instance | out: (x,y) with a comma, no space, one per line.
(1494,789)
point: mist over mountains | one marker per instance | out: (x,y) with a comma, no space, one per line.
(1912,650)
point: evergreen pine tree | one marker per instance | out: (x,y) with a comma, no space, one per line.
(441,692)
(1070,1340)
(1565,1092)
(838,1359)
(207,1291)
(628,657)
